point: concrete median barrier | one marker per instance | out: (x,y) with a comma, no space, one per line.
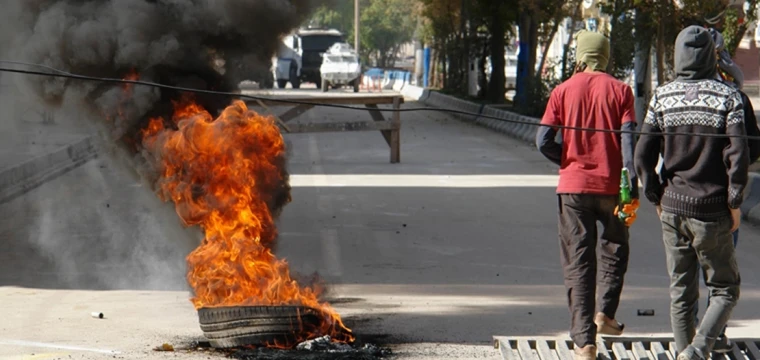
(415,93)
(504,122)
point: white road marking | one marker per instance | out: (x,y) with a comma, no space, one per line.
(431,181)
(35,344)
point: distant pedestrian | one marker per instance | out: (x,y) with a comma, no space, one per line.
(591,163)
(731,74)
(700,188)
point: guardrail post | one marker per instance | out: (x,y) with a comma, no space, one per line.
(396,132)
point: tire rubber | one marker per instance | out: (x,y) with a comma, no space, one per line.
(227,327)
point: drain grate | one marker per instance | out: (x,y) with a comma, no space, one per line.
(612,348)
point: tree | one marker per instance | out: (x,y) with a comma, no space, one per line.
(532,14)
(622,44)
(385,26)
(734,29)
(442,32)
(337,14)
(497,17)
(567,52)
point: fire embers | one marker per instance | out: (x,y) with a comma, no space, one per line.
(228,176)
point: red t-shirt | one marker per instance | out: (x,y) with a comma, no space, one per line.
(591,161)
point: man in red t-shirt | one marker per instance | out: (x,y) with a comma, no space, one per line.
(589,184)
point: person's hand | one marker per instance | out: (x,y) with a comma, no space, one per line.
(630,211)
(736,217)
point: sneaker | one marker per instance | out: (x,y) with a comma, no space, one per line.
(690,353)
(723,345)
(587,352)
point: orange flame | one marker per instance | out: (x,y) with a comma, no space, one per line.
(220,174)
(132,75)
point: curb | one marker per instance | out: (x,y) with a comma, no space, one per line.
(523,132)
(527,133)
(22,178)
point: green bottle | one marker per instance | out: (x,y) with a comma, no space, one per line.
(625,192)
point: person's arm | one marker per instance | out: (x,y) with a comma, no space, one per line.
(547,132)
(736,154)
(731,68)
(647,152)
(628,140)
(750,123)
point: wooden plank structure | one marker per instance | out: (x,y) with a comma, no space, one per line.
(611,348)
(390,129)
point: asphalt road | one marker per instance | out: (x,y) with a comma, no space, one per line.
(432,256)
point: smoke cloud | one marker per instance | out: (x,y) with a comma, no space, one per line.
(179,42)
(203,44)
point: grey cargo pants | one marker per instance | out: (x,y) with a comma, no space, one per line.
(690,243)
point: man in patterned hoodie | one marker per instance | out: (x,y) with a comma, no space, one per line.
(700,188)
(731,74)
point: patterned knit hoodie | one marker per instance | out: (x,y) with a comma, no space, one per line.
(702,175)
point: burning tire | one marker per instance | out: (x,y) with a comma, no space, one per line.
(280,326)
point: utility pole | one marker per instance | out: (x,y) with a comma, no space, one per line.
(356,26)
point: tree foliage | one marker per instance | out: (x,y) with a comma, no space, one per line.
(498,18)
(336,14)
(443,32)
(734,29)
(384,25)
(460,31)
(533,15)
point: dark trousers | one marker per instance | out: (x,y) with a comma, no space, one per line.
(578,215)
(704,276)
(691,244)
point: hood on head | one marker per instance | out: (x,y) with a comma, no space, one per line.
(718,40)
(592,49)
(695,56)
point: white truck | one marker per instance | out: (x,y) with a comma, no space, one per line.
(300,56)
(340,67)
(286,65)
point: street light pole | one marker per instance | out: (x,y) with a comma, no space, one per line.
(356,26)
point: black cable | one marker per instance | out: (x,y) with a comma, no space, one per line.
(63,74)
(35,65)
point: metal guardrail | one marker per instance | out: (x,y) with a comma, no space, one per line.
(612,348)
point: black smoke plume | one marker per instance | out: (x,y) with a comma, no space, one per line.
(206,44)
(203,44)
